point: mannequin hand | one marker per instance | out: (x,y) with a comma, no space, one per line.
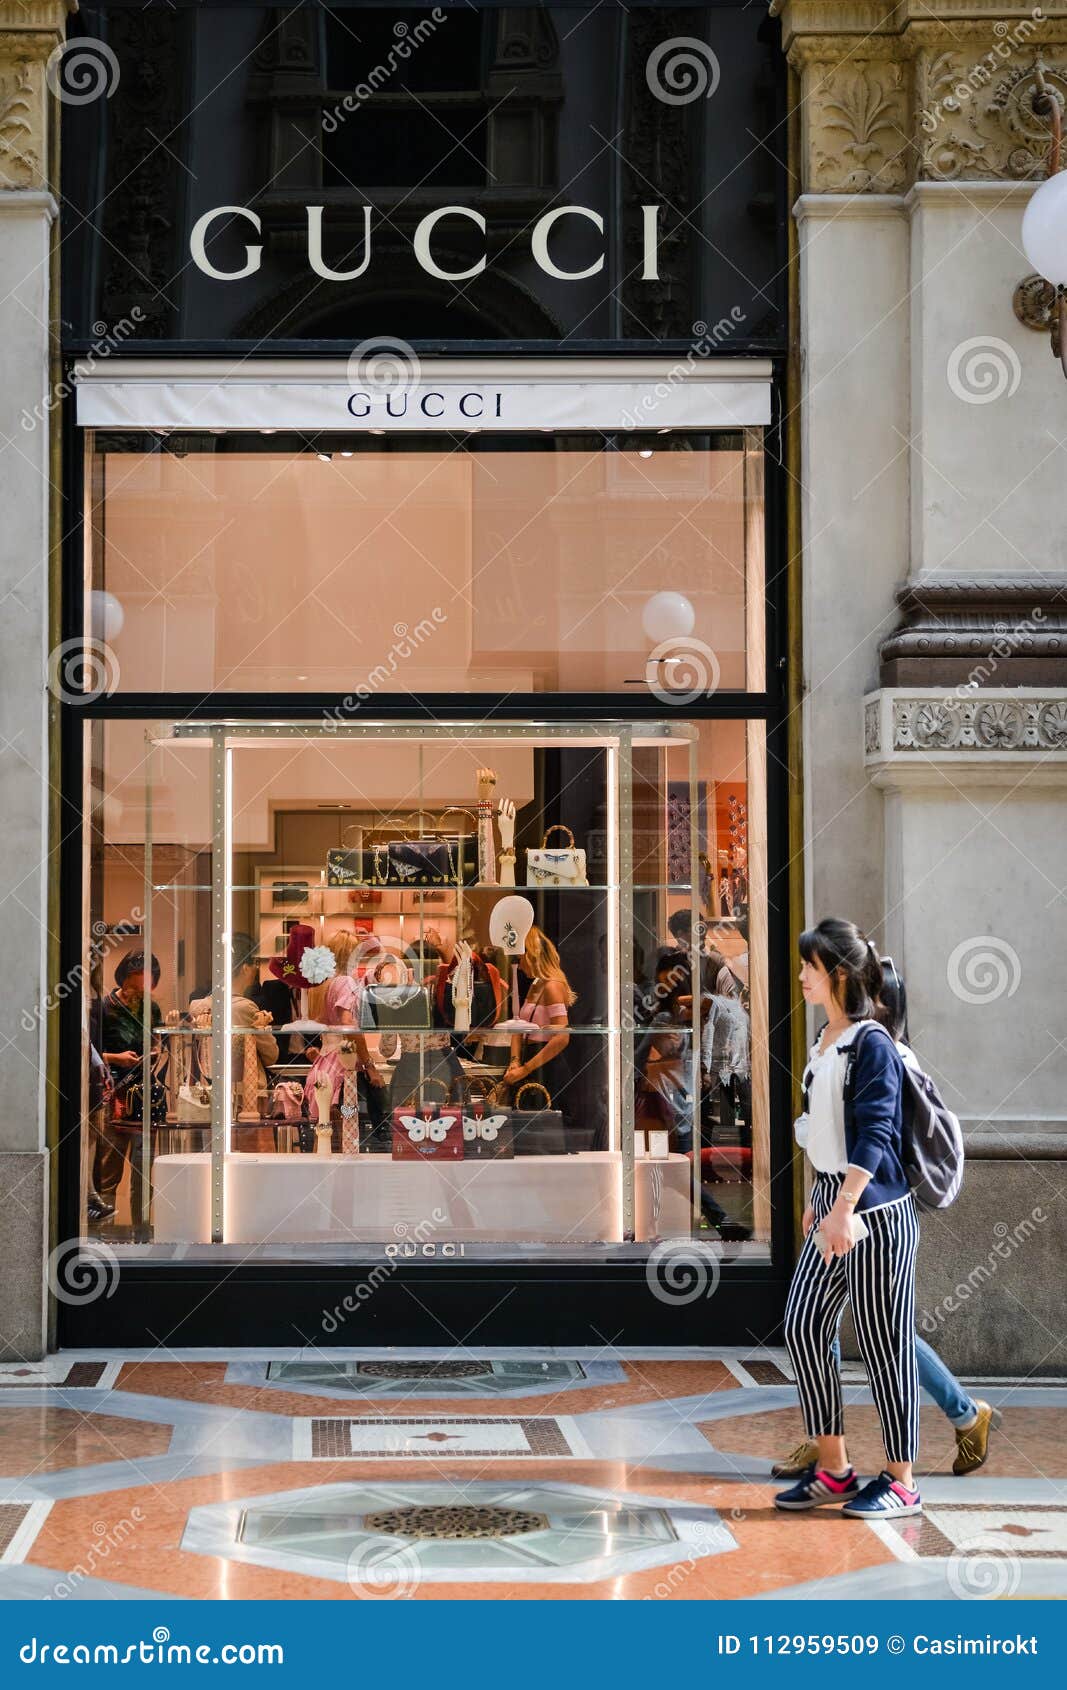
(486,782)
(506,822)
(808,1220)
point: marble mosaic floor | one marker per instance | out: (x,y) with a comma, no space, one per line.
(437,1474)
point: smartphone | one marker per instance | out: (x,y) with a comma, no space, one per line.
(860,1230)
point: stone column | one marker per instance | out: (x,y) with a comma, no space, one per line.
(29,31)
(934,456)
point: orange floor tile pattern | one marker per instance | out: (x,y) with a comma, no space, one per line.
(183,1460)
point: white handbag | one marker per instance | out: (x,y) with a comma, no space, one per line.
(194,1104)
(565,867)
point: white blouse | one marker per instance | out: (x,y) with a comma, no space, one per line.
(821,1132)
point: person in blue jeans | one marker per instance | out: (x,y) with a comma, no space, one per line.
(971,1419)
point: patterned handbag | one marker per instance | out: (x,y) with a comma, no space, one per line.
(447,860)
(426,1131)
(556,867)
(394,1009)
(346,867)
(487,1128)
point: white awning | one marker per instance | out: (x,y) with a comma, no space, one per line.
(495,395)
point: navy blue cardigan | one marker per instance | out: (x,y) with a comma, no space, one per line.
(874,1119)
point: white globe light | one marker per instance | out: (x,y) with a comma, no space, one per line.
(106,616)
(668,616)
(1045,230)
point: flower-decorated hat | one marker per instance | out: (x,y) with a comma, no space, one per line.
(287,968)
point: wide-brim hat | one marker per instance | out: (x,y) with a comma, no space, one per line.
(287,968)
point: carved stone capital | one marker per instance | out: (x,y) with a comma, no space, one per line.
(937,90)
(855,126)
(30,30)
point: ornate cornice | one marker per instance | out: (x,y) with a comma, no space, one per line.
(893,95)
(929,737)
(978,631)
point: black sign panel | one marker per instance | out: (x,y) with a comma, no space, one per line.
(559,176)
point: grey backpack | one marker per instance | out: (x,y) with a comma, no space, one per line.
(933,1141)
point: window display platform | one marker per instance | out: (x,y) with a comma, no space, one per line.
(374,1200)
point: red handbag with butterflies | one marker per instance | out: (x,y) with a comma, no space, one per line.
(428,1131)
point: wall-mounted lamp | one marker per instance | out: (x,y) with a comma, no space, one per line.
(1040,300)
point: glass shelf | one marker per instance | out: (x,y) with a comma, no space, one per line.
(315,890)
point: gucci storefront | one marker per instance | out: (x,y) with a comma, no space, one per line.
(423,678)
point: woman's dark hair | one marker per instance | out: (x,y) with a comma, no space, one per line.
(895,1001)
(676,966)
(847,953)
(133,963)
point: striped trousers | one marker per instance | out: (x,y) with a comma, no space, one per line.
(877,1277)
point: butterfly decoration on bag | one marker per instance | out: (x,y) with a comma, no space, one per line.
(486,1127)
(423,1131)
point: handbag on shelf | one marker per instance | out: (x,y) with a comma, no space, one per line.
(194,1104)
(395,1009)
(428,1132)
(543,1132)
(346,867)
(445,860)
(557,867)
(488,1134)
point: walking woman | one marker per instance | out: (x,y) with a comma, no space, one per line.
(861,1234)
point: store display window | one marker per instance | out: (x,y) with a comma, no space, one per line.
(367,983)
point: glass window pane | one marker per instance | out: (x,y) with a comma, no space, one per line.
(362,567)
(408,1038)
(146,896)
